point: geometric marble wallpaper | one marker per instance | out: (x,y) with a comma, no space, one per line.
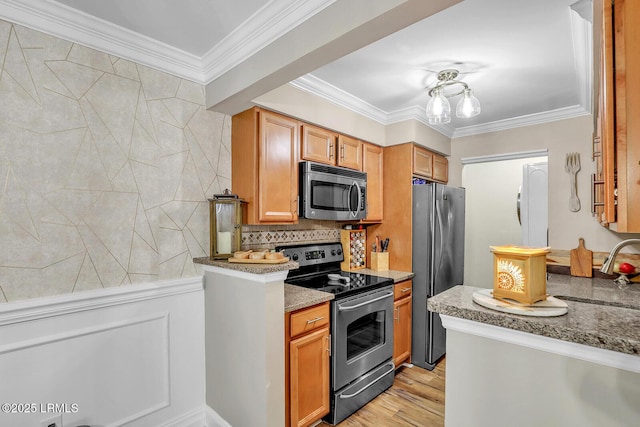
(105,169)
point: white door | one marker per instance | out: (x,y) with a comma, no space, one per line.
(533,205)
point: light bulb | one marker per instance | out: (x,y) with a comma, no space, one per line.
(468,106)
(438,108)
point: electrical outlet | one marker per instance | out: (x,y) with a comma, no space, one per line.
(54,421)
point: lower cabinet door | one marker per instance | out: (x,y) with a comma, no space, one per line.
(402,331)
(309,377)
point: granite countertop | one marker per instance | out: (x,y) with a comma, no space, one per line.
(247,267)
(599,314)
(297,297)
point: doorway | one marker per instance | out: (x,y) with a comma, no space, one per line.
(493,185)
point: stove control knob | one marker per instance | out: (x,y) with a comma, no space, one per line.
(333,252)
(294,257)
(339,252)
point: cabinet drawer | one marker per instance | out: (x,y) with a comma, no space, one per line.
(308,319)
(402,289)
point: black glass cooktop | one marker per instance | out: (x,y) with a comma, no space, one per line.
(348,283)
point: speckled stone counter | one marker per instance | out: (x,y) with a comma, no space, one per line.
(248,268)
(297,297)
(600,315)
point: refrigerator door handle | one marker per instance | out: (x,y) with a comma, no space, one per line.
(436,268)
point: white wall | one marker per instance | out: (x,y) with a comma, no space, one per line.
(131,355)
(559,138)
(302,105)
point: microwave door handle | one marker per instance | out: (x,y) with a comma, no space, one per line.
(355,213)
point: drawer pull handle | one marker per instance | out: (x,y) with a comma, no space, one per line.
(314,320)
(406,289)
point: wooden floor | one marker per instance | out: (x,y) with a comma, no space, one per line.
(415,399)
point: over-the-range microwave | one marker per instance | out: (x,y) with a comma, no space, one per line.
(332,193)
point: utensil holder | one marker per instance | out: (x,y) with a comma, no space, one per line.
(380,261)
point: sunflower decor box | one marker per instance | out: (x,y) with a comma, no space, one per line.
(520,273)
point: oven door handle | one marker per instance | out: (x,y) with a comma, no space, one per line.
(349,396)
(354,213)
(353,307)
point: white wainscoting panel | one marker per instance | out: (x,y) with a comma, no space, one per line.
(128,356)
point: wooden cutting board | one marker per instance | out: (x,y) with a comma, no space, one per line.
(258,261)
(581,260)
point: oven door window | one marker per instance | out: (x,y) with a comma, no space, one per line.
(365,333)
(332,196)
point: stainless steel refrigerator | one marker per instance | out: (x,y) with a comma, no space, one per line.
(438,263)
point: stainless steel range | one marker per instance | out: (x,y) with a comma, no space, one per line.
(361,325)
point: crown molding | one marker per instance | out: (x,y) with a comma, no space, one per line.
(582,38)
(266,25)
(507,156)
(71,24)
(263,27)
(528,120)
(318,87)
(269,23)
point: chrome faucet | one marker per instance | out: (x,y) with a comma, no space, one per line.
(607,265)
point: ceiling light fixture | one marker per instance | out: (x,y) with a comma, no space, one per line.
(439,109)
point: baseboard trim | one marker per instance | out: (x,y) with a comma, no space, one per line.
(39,308)
(213,419)
(194,418)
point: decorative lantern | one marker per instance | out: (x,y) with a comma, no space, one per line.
(225,224)
(520,273)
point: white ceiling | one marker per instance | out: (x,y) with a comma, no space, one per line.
(527,61)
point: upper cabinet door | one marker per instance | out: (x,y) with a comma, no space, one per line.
(617,180)
(422,162)
(440,168)
(278,168)
(349,152)
(318,144)
(372,164)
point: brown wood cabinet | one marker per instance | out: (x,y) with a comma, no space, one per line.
(422,162)
(440,168)
(402,322)
(318,144)
(325,146)
(617,138)
(398,204)
(429,165)
(349,152)
(307,351)
(265,165)
(373,165)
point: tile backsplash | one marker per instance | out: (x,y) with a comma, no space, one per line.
(306,231)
